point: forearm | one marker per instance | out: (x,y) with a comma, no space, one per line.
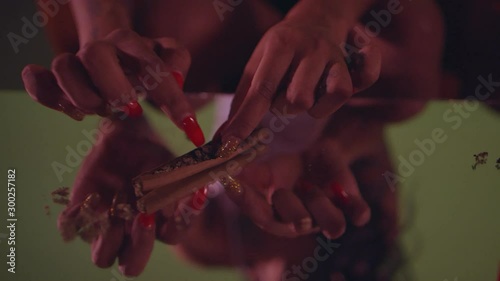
(97,18)
(337,14)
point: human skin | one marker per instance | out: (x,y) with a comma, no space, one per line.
(399,45)
(358,152)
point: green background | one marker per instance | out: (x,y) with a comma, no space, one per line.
(451,213)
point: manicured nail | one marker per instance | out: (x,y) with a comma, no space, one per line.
(199,199)
(178,78)
(228,147)
(339,194)
(147,220)
(193,130)
(133,109)
(70,110)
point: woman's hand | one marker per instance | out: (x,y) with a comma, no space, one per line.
(298,66)
(107,75)
(292,194)
(102,203)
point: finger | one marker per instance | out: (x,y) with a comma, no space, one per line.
(101,60)
(166,230)
(245,81)
(257,100)
(345,193)
(291,210)
(256,207)
(173,55)
(42,87)
(300,92)
(329,218)
(138,246)
(159,76)
(338,90)
(365,67)
(328,166)
(66,222)
(76,84)
(107,246)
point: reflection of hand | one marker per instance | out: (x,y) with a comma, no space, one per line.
(358,153)
(289,194)
(101,204)
(106,75)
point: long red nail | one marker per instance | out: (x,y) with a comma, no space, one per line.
(178,78)
(133,109)
(199,199)
(193,130)
(339,194)
(147,221)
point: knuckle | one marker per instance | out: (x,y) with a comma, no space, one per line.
(282,37)
(340,93)
(336,229)
(62,62)
(301,102)
(322,46)
(264,89)
(344,93)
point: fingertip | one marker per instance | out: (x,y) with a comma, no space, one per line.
(100,261)
(360,212)
(129,271)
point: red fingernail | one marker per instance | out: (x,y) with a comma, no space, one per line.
(193,130)
(133,109)
(218,133)
(147,221)
(339,194)
(199,199)
(178,78)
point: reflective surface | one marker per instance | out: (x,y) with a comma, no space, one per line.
(447,197)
